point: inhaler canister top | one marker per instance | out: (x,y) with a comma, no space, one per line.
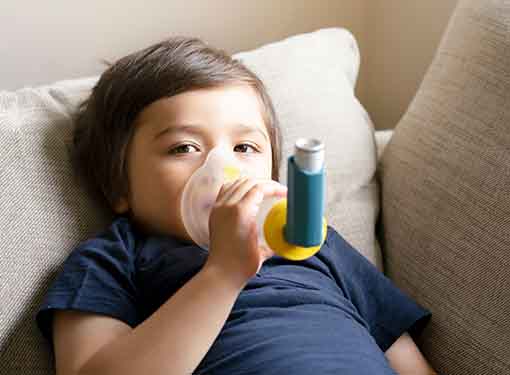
(309,154)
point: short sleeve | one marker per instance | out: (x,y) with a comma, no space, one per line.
(385,308)
(97,277)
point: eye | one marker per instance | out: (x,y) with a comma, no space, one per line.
(183,149)
(243,148)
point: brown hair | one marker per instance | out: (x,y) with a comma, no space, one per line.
(104,123)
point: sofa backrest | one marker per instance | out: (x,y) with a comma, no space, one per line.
(446,195)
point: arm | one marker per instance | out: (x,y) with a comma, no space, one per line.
(406,359)
(172,341)
(175,338)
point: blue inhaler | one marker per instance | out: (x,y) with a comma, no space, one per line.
(295,228)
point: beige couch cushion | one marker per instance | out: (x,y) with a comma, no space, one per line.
(446,195)
(45,212)
(311,79)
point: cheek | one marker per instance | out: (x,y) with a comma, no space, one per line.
(158,185)
(261,167)
(269,165)
(171,182)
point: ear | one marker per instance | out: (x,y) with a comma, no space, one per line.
(121,206)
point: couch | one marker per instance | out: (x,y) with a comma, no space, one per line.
(428,202)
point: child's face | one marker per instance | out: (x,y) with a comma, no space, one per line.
(160,162)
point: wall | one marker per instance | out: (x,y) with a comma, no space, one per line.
(48,41)
(402,37)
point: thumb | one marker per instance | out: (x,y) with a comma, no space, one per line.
(252,235)
(254,246)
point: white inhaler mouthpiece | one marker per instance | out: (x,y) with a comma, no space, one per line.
(201,190)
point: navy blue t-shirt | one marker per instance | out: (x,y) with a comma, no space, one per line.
(332,313)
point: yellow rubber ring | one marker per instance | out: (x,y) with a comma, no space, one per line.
(273,231)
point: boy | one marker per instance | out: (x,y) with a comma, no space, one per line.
(142,297)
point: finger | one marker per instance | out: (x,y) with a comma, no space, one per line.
(242,186)
(252,199)
(253,238)
(273,188)
(263,189)
(271,185)
(253,241)
(240,191)
(227,188)
(231,188)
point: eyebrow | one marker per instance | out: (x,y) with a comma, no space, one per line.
(196,129)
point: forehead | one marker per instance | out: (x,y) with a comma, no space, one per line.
(220,106)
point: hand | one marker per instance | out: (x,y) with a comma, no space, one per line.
(234,244)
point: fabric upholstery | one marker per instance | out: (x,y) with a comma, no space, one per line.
(382,138)
(446,195)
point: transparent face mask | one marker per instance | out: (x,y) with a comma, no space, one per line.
(202,188)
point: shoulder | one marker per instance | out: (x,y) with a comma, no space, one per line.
(335,239)
(338,251)
(120,230)
(118,242)
(336,245)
